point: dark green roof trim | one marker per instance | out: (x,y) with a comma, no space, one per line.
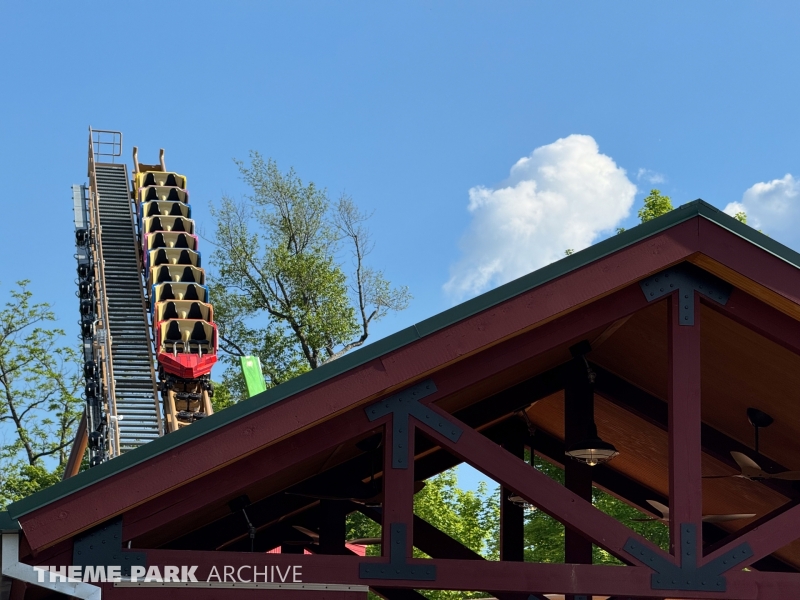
(7,524)
(402,338)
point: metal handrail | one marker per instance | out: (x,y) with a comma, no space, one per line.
(97,143)
(94,211)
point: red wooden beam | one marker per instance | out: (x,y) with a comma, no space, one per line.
(431,540)
(111,592)
(500,576)
(765,539)
(512,515)
(233,481)
(217,486)
(578,421)
(771,586)
(685,474)
(396,369)
(398,487)
(749,260)
(541,491)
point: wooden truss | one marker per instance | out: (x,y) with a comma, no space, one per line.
(410,393)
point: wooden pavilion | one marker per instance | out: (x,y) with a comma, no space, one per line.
(661,337)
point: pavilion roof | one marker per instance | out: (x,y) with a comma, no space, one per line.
(480,351)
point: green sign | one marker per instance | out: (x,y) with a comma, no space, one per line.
(253,377)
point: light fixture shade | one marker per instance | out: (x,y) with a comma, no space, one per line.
(592,451)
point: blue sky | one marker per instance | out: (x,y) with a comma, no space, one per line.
(419,110)
(405,106)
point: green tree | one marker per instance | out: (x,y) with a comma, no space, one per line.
(655,205)
(471,517)
(39,402)
(293,286)
(544,535)
(741,216)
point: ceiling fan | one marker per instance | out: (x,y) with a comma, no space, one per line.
(750,470)
(664,510)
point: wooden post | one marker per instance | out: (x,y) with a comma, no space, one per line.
(685,477)
(398,486)
(512,516)
(578,419)
(332,526)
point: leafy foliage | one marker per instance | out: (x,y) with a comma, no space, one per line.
(741,216)
(39,402)
(20,480)
(544,536)
(283,292)
(655,205)
(471,517)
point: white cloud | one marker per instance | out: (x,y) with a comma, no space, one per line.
(773,206)
(650,176)
(564,195)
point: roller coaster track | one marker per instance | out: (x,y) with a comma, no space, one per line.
(134,243)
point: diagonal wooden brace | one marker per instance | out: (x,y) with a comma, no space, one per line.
(538,489)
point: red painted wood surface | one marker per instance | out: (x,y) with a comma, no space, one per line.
(172,593)
(766,538)
(685,474)
(398,491)
(117,494)
(749,260)
(233,480)
(562,579)
(771,586)
(541,491)
(495,576)
(239,475)
(238,454)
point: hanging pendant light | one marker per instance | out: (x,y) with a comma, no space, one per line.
(592,451)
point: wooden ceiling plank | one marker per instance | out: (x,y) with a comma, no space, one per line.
(762,318)
(630,491)
(654,410)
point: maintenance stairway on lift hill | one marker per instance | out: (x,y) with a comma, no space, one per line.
(134,376)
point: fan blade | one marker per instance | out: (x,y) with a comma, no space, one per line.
(786,475)
(305,531)
(724,518)
(718,476)
(748,466)
(664,510)
(368,541)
